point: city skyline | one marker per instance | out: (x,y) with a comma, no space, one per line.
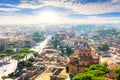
(59,11)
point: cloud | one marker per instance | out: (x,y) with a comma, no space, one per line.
(62,18)
(73,11)
(28,5)
(89,8)
(9,9)
(9,5)
(86,1)
(24,4)
(81,6)
(32,4)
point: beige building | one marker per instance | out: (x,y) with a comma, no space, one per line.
(4,41)
(81,58)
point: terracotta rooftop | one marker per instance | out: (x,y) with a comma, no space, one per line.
(112,66)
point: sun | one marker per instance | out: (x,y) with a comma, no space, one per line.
(48,17)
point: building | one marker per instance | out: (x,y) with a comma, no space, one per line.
(60,35)
(81,58)
(59,74)
(4,41)
(69,42)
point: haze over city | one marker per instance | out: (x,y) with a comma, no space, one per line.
(59,39)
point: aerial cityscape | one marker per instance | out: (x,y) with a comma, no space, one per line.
(59,39)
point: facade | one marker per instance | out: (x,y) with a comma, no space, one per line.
(69,42)
(60,35)
(59,74)
(4,41)
(81,58)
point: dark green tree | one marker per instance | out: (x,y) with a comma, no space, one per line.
(8,51)
(117,73)
(28,64)
(104,47)
(27,43)
(26,51)
(68,51)
(37,36)
(94,72)
(11,43)
(83,77)
(4,77)
(97,67)
(19,56)
(56,42)
(2,55)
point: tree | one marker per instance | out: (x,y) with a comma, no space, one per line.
(37,36)
(35,54)
(97,67)
(2,55)
(83,77)
(27,43)
(94,72)
(98,78)
(4,77)
(28,64)
(68,51)
(18,56)
(67,69)
(11,43)
(117,73)
(8,51)
(26,51)
(31,59)
(104,47)
(56,42)
(105,63)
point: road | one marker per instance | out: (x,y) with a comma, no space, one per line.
(10,66)
(40,46)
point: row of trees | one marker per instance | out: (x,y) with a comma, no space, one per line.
(17,56)
(13,44)
(94,72)
(117,73)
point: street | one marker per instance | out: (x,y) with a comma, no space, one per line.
(10,66)
(40,46)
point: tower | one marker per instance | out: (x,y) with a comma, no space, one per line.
(81,58)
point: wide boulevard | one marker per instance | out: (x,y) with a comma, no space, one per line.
(10,66)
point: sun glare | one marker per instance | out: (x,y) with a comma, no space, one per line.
(48,17)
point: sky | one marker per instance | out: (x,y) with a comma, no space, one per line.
(59,11)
